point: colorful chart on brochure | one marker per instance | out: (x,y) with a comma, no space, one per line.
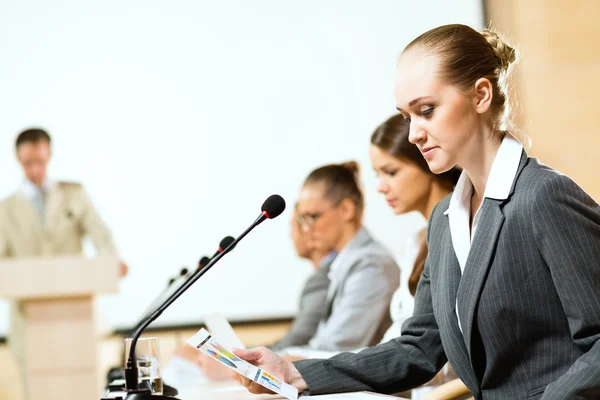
(207,344)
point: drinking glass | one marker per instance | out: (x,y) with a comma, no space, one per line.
(147,354)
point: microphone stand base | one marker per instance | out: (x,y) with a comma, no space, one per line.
(148,396)
(138,395)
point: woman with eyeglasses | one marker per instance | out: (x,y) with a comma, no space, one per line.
(363,275)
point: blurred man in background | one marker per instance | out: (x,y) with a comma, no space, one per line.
(46,218)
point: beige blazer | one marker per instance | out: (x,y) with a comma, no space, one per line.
(69,217)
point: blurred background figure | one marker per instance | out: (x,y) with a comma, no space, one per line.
(363,275)
(46,218)
(408,185)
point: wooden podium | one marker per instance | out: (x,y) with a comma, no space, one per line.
(53,301)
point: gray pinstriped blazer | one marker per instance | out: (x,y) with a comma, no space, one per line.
(529,303)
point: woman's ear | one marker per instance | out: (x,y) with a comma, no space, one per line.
(484,94)
(347,209)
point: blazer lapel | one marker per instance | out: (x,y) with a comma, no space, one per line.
(456,351)
(339,269)
(481,256)
(478,265)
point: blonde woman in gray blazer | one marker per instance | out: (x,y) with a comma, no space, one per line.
(510,292)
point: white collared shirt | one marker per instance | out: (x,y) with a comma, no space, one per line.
(35,194)
(31,190)
(502,174)
(338,269)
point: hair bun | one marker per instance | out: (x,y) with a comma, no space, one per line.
(505,53)
(352,166)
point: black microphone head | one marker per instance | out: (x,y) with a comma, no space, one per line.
(183,272)
(226,242)
(203,261)
(273,206)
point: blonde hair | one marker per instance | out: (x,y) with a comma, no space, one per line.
(467,55)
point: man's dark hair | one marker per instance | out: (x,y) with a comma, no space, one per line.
(32,135)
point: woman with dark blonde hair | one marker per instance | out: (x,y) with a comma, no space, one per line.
(409,185)
(509,293)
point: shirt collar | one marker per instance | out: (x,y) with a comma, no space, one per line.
(328,258)
(502,175)
(31,190)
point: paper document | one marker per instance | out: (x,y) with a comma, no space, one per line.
(220,327)
(208,345)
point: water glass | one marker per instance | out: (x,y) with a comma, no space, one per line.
(148,363)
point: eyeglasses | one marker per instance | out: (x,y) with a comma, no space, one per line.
(309,219)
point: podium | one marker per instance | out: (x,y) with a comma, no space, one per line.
(53,321)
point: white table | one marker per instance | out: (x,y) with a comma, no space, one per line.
(232,390)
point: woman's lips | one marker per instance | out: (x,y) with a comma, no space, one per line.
(429,151)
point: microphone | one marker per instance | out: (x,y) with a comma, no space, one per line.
(203,261)
(271,208)
(182,274)
(225,243)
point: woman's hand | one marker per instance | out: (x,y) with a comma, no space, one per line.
(271,363)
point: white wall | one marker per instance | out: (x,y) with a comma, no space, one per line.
(181,117)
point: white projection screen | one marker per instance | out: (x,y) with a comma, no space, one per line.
(180,117)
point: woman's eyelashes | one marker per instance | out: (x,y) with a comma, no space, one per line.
(390,172)
(426,111)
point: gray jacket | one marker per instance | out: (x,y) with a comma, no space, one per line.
(356,311)
(310,310)
(529,303)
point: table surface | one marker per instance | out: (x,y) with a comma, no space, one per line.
(232,390)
